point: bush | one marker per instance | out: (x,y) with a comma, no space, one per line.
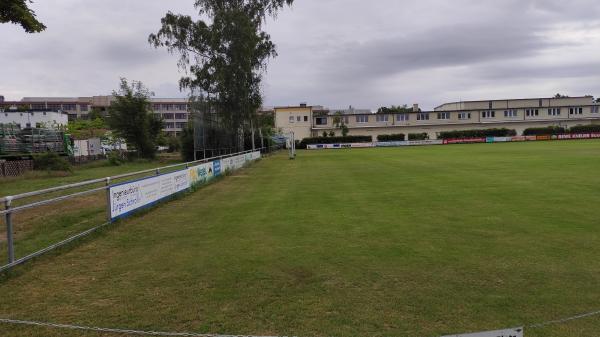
(50,161)
(418,136)
(115,158)
(547,131)
(334,140)
(481,133)
(585,128)
(391,138)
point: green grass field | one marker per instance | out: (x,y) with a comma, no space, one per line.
(418,241)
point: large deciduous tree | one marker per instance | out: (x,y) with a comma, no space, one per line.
(131,118)
(17,11)
(224,55)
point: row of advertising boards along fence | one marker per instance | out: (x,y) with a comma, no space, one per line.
(455,141)
(129,197)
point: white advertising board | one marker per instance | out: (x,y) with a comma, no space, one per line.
(339,146)
(426,142)
(393,144)
(516,332)
(130,196)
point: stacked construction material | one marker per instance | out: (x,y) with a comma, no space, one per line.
(9,142)
(13,140)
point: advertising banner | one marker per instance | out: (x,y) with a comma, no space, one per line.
(465,140)
(339,146)
(502,139)
(130,196)
(544,137)
(425,142)
(201,174)
(392,144)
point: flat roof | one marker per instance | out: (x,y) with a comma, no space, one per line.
(515,99)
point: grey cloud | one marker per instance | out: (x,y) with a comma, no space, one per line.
(334,52)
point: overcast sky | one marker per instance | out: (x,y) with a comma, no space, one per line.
(331,52)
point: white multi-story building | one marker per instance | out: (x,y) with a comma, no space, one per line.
(34,118)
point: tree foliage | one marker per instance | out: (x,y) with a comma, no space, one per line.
(17,11)
(131,118)
(395,109)
(338,122)
(224,54)
(83,129)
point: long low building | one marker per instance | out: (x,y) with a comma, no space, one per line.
(518,114)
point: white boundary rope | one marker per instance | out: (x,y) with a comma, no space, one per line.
(563,320)
(118,331)
(192,334)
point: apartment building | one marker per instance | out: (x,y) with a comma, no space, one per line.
(518,114)
(174,111)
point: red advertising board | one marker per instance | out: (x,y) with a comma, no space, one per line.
(464,140)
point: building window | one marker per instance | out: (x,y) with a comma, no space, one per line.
(576,111)
(595,109)
(69,107)
(488,114)
(443,115)
(510,113)
(167,116)
(532,112)
(298,118)
(83,107)
(554,112)
(291,119)
(401,117)
(180,125)
(54,106)
(180,116)
(422,116)
(346,120)
(169,125)
(382,118)
(321,121)
(38,106)
(490,105)
(464,115)
(362,119)
(306,118)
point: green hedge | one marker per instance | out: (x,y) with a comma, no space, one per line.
(336,140)
(547,131)
(481,133)
(391,138)
(418,136)
(585,128)
(51,161)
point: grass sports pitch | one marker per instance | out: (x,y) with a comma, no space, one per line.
(419,241)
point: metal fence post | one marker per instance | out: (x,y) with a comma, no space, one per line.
(108,205)
(157,171)
(9,230)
